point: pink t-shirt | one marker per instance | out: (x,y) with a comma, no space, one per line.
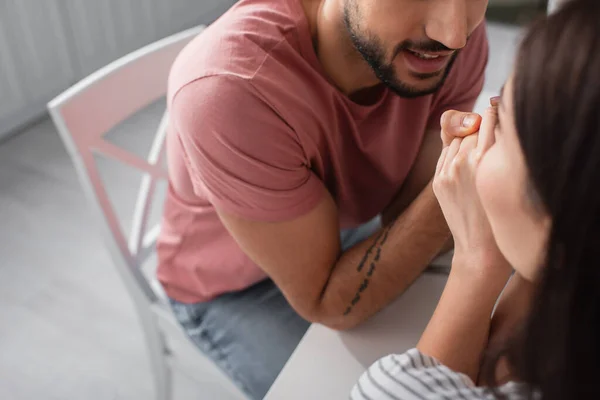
(257,130)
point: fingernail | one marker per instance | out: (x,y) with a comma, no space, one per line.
(469,121)
(494,101)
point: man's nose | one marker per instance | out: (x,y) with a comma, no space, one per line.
(447,23)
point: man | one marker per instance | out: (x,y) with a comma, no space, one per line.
(296,126)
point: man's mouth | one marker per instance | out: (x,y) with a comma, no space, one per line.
(423,62)
(424,56)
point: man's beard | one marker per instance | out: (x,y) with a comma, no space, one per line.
(372,51)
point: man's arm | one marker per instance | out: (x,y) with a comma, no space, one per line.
(341,290)
(251,179)
(323,285)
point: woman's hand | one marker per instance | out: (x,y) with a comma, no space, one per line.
(454,186)
(458,331)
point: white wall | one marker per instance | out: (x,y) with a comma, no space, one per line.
(46,46)
(554,4)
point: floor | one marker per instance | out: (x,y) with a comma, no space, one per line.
(67,326)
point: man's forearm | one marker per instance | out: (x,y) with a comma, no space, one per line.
(373,273)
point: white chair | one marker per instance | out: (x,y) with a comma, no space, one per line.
(83,115)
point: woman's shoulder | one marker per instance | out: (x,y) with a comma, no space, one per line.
(414,375)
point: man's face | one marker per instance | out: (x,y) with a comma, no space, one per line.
(410,44)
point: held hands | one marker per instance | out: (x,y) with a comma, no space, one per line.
(458,332)
(466,137)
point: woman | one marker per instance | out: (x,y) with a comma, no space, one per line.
(521,194)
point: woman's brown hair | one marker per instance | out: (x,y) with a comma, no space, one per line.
(557,115)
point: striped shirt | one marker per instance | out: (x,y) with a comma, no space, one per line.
(415,376)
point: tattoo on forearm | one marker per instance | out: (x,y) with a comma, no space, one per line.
(371,269)
(385,235)
(375,248)
(368,253)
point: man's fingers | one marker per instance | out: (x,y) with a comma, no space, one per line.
(458,124)
(487,136)
(486,132)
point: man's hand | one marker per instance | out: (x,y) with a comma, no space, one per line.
(457,124)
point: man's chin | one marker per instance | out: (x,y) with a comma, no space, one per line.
(430,79)
(416,89)
(408,83)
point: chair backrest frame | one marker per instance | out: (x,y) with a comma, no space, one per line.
(84,113)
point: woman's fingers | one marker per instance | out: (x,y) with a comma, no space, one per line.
(451,154)
(469,144)
(441,160)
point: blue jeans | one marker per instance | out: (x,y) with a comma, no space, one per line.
(251,334)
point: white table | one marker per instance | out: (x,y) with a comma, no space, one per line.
(326,364)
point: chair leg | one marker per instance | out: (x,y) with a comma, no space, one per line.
(158,352)
(159,364)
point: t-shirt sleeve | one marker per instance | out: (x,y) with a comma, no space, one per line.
(241,155)
(465,81)
(416,376)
